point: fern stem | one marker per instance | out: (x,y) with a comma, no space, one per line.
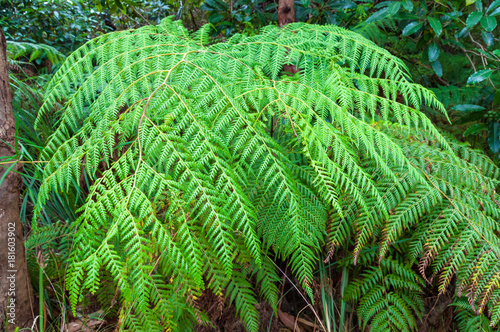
(40,296)
(345,278)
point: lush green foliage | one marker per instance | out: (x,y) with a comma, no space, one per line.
(250,15)
(18,51)
(66,25)
(61,24)
(457,40)
(449,46)
(197,161)
(242,16)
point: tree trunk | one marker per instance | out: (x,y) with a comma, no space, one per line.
(286,12)
(16,293)
(286,15)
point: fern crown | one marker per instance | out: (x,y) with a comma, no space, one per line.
(199,160)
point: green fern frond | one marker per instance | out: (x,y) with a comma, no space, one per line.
(16,50)
(389,297)
(468,321)
(199,158)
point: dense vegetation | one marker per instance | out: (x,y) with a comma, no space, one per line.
(171,170)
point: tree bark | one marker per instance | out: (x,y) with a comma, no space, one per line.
(286,12)
(286,15)
(16,293)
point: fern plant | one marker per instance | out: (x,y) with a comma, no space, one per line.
(18,50)
(468,321)
(389,296)
(199,160)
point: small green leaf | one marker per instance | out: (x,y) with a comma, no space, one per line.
(468,117)
(216,4)
(489,23)
(119,4)
(408,5)
(496,12)
(377,15)
(469,2)
(496,98)
(433,52)
(206,8)
(435,25)
(411,28)
(462,33)
(493,5)
(344,4)
(216,17)
(473,19)
(488,38)
(393,8)
(271,6)
(496,52)
(468,107)
(436,65)
(479,76)
(475,128)
(493,139)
